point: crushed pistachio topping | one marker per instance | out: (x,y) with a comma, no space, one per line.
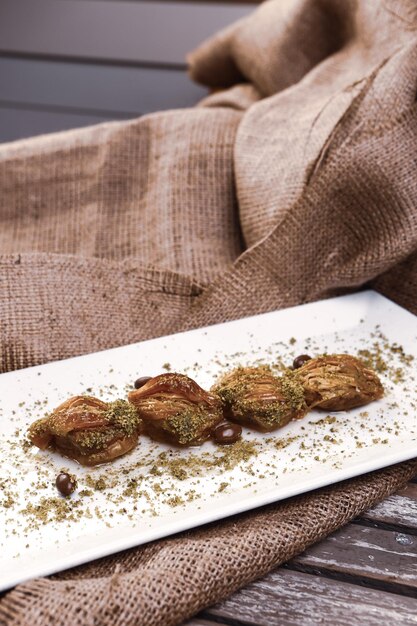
(95,438)
(196,465)
(124,416)
(123,421)
(245,390)
(153,479)
(189,424)
(293,391)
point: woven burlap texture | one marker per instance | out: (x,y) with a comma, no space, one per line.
(294,182)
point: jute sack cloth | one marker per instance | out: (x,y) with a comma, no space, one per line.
(295,182)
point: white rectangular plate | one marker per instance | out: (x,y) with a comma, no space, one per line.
(145,496)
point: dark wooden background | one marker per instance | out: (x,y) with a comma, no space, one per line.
(363,575)
(71,63)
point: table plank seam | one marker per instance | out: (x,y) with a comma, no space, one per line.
(361,580)
(226,621)
(398,528)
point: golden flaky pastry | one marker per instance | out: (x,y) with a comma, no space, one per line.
(338,382)
(175,409)
(256,397)
(88,430)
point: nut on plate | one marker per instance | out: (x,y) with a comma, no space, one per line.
(338,382)
(255,397)
(175,409)
(88,430)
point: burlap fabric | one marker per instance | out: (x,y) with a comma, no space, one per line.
(294,182)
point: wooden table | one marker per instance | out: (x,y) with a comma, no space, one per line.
(364,574)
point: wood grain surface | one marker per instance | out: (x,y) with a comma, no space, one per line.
(399,511)
(365,574)
(291,599)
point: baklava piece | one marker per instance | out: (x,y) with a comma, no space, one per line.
(338,382)
(255,397)
(175,409)
(88,430)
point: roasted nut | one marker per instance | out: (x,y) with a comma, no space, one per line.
(139,382)
(338,382)
(300,360)
(227,433)
(88,430)
(66,484)
(254,396)
(175,409)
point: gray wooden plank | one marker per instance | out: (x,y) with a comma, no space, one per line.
(384,558)
(120,31)
(285,598)
(17,124)
(95,87)
(399,510)
(197,621)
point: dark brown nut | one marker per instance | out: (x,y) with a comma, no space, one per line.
(139,382)
(177,410)
(338,382)
(88,430)
(255,397)
(66,484)
(300,360)
(227,433)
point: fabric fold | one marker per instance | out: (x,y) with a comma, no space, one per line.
(294,181)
